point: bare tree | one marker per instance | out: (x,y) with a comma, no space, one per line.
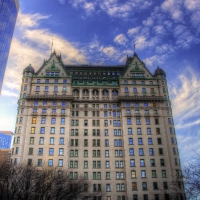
(22,182)
(191,173)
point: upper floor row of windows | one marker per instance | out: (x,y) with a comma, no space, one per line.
(26,80)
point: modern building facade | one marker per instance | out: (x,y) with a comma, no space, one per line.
(6,139)
(112,125)
(8,15)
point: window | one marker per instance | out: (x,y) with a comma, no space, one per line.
(134,186)
(51,151)
(139,131)
(159,140)
(64,80)
(117,142)
(62,121)
(131,152)
(106,143)
(61,151)
(142,82)
(152,162)
(125,82)
(106,153)
(61,141)
(134,90)
(165,186)
(55,88)
(145,196)
(128,121)
(85,142)
(153,173)
(85,132)
(169,121)
(144,186)
(155,186)
(31,140)
(133,174)
(85,175)
(162,162)
(108,187)
(51,140)
(52,130)
(130,140)
(143,90)
(53,120)
(50,162)
(140,141)
(172,140)
(138,121)
(85,153)
(151,152)
(107,175)
(43,120)
(151,82)
(148,131)
(127,104)
(129,131)
(42,130)
(145,104)
(39,162)
(160,150)
(40,151)
(132,163)
(164,175)
(85,164)
(158,131)
(37,88)
(174,151)
(170,130)
(147,121)
(60,162)
(106,132)
(126,89)
(30,151)
(150,142)
(141,152)
(143,173)
(34,120)
(142,163)
(105,114)
(41,141)
(107,164)
(118,153)
(63,111)
(62,130)
(156,121)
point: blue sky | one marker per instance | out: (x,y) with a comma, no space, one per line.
(166,34)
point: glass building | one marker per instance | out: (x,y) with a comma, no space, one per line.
(5,139)
(8,16)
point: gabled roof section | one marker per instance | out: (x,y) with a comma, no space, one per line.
(53,64)
(135,67)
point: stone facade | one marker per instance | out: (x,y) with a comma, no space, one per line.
(112,125)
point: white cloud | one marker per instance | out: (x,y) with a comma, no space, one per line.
(62,1)
(148,22)
(31,45)
(109,51)
(121,39)
(192,4)
(164,48)
(133,31)
(159,29)
(185,93)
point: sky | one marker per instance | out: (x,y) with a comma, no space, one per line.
(166,33)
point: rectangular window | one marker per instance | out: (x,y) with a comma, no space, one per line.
(154,174)
(61,141)
(131,152)
(132,163)
(143,173)
(150,142)
(130,141)
(140,141)
(152,162)
(50,162)
(138,121)
(141,152)
(142,163)
(52,130)
(155,186)
(128,121)
(51,140)
(134,186)
(129,131)
(42,130)
(151,152)
(41,141)
(147,121)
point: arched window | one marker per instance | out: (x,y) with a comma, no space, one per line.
(76,92)
(114,93)
(105,92)
(95,92)
(85,92)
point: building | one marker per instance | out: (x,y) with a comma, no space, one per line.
(8,15)
(112,125)
(5,155)
(5,139)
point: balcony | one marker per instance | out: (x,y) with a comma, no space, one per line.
(142,98)
(48,97)
(34,113)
